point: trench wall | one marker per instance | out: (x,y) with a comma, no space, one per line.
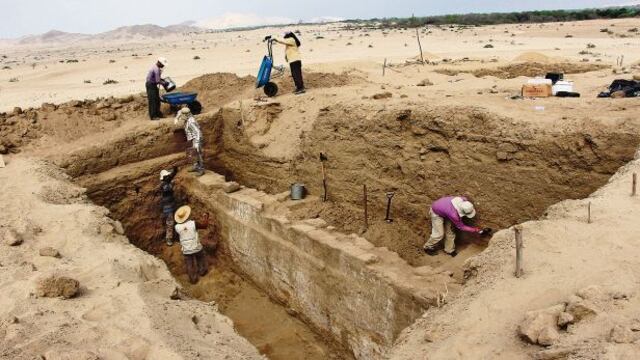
(358,295)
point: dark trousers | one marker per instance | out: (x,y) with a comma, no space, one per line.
(196,266)
(153,96)
(296,72)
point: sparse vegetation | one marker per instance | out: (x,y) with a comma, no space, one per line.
(196,57)
(109,82)
(488,46)
(87,81)
(71,61)
(111,61)
(591,46)
(6,67)
(508,18)
(13,79)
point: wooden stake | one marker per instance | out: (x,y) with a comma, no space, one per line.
(634,184)
(366,208)
(589,213)
(518,231)
(384,66)
(420,46)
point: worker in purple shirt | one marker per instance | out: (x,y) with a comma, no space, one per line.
(154,79)
(447,213)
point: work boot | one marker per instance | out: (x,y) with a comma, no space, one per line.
(431,252)
(453,254)
(300,91)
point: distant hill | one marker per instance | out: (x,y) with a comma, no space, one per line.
(53,36)
(125,33)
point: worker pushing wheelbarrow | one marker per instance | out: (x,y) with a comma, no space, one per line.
(292,55)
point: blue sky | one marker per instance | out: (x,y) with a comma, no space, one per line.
(21,17)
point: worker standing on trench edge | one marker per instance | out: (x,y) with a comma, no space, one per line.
(292,56)
(447,213)
(168,202)
(194,134)
(154,80)
(192,249)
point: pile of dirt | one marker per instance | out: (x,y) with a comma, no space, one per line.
(67,122)
(533,57)
(528,69)
(318,80)
(217,89)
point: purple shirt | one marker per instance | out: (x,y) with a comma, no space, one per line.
(444,208)
(153,77)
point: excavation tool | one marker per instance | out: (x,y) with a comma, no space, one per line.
(264,74)
(324,158)
(390,196)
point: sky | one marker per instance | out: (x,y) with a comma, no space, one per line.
(23,17)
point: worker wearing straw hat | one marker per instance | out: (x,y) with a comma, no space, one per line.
(447,213)
(194,134)
(192,249)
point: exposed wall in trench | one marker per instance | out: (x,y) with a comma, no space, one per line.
(511,170)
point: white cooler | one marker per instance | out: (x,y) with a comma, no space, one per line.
(562,86)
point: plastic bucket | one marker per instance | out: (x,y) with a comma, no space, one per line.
(298,191)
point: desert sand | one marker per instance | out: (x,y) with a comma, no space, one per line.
(453,125)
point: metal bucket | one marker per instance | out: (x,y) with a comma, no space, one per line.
(169,85)
(298,191)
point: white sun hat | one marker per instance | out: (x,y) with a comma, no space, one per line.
(463,207)
(164,173)
(163,61)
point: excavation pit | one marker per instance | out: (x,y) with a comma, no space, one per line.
(351,295)
(295,289)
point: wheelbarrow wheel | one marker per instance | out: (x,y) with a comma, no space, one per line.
(271,89)
(195,107)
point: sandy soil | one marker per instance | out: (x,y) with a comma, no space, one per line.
(325,47)
(351,108)
(120,285)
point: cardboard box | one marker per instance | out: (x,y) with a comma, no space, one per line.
(530,90)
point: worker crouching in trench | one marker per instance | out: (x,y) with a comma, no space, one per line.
(192,249)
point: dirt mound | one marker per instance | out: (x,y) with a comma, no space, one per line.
(529,69)
(67,122)
(317,80)
(54,286)
(532,56)
(215,90)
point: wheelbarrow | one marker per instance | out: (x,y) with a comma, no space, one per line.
(178,99)
(264,74)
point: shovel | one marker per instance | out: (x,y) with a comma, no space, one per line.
(324,158)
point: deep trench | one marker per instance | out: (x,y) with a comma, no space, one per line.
(271,327)
(511,179)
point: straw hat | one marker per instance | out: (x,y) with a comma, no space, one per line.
(182,214)
(463,207)
(164,173)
